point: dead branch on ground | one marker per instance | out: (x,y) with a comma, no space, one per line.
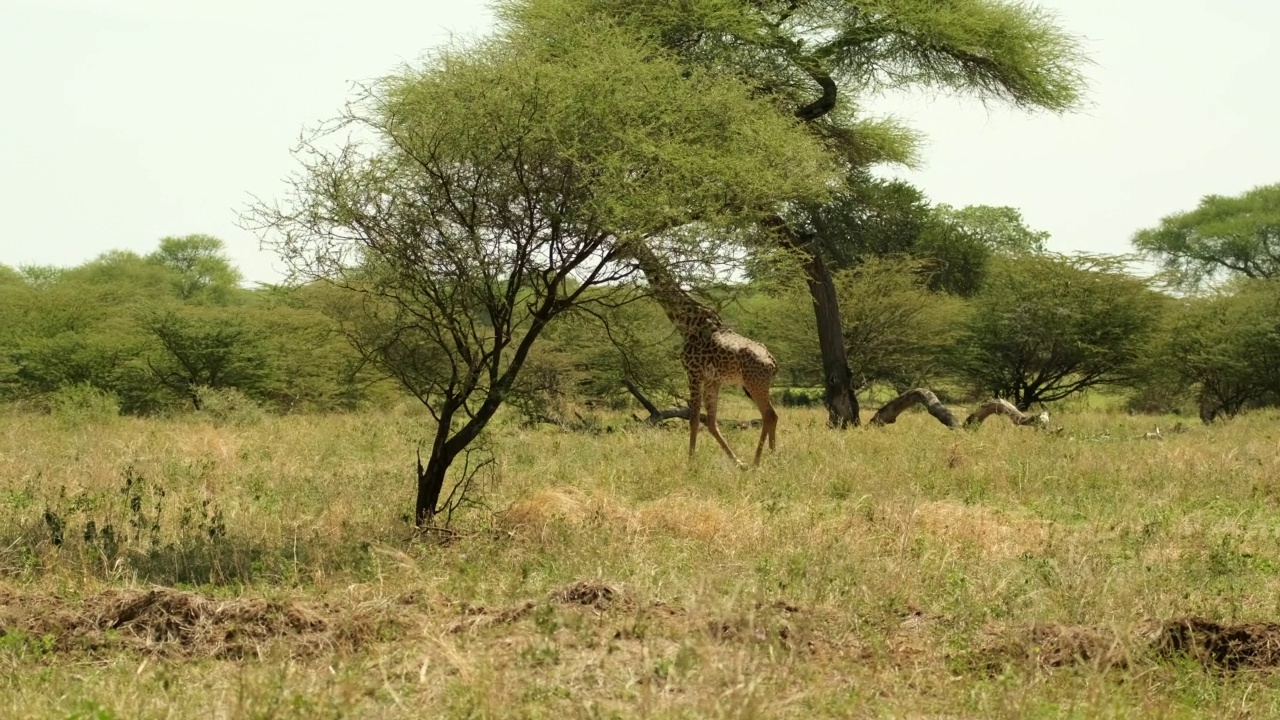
(888,414)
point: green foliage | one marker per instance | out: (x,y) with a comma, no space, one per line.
(61,334)
(898,332)
(1223,237)
(227,404)
(658,143)
(312,367)
(117,325)
(199,266)
(1001,229)
(40,275)
(995,50)
(1045,327)
(782,318)
(194,348)
(593,353)
(1226,348)
(956,261)
(125,276)
(82,403)
(871,217)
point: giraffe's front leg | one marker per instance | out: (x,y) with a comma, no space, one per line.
(713,405)
(695,410)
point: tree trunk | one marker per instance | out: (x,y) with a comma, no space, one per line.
(842,403)
(431,478)
(430,483)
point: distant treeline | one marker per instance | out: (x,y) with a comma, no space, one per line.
(174,331)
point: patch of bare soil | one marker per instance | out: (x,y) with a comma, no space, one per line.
(165,621)
(1212,644)
(595,595)
(1227,646)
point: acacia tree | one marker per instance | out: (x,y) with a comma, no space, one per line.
(482,196)
(200,267)
(1223,237)
(1045,327)
(870,218)
(1001,229)
(810,57)
(1226,347)
(197,348)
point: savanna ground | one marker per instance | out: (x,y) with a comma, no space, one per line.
(263,567)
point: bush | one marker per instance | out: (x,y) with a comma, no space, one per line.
(82,404)
(228,405)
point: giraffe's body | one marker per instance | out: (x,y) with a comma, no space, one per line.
(713,356)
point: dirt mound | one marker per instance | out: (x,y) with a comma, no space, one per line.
(1228,646)
(597,595)
(1210,643)
(165,621)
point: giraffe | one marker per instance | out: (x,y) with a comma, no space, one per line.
(713,355)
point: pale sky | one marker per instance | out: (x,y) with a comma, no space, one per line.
(128,120)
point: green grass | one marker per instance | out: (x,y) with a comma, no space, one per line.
(868,573)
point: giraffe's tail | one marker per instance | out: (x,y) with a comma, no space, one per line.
(747,393)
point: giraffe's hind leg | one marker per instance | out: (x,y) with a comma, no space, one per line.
(768,419)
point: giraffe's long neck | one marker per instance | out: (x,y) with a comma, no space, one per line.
(685,312)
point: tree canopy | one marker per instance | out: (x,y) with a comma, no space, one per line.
(1000,229)
(1223,237)
(1045,327)
(1226,347)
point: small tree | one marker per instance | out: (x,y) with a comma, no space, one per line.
(485,195)
(1226,348)
(1223,237)
(898,331)
(196,348)
(200,267)
(1044,327)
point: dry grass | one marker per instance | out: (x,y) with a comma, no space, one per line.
(185,568)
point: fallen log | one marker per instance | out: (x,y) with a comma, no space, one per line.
(1004,407)
(657,417)
(888,414)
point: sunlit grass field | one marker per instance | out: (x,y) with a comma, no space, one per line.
(264,567)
